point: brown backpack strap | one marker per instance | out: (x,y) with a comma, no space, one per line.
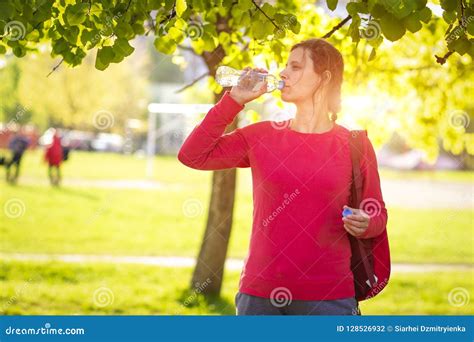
(356,148)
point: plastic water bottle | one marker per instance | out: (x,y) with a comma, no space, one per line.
(229,77)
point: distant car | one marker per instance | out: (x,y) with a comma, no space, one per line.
(108,142)
(78,140)
(73,139)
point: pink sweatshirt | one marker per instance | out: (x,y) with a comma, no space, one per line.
(300,183)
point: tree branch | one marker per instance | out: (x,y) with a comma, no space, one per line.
(442,60)
(263,12)
(337,27)
(128,5)
(187,48)
(55,67)
(192,83)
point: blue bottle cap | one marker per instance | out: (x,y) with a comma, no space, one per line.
(346,212)
(281,84)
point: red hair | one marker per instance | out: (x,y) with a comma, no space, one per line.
(326,57)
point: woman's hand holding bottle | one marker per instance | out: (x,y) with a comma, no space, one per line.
(250,86)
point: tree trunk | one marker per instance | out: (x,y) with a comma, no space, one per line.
(209,270)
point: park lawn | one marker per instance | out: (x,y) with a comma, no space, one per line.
(94,166)
(428,175)
(73,220)
(55,288)
(99,166)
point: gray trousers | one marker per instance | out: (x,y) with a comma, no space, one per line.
(252,305)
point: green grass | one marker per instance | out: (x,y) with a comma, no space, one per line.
(85,220)
(96,166)
(59,288)
(438,175)
(111,166)
(135,222)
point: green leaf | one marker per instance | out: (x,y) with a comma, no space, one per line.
(33,36)
(449,16)
(91,37)
(425,15)
(378,11)
(138,29)
(224,38)
(449,5)
(392,28)
(420,4)
(470,27)
(123,47)
(354,28)
(471,49)
(180,7)
(412,22)
(176,34)
(19,51)
(292,22)
(462,45)
(76,14)
(6,10)
(372,55)
(104,57)
(376,42)
(351,8)
(332,4)
(71,34)
(268,9)
(400,8)
(209,43)
(59,46)
(165,45)
(258,29)
(124,29)
(245,5)
(279,33)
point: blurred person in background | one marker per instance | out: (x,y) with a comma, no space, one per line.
(17,145)
(54,157)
